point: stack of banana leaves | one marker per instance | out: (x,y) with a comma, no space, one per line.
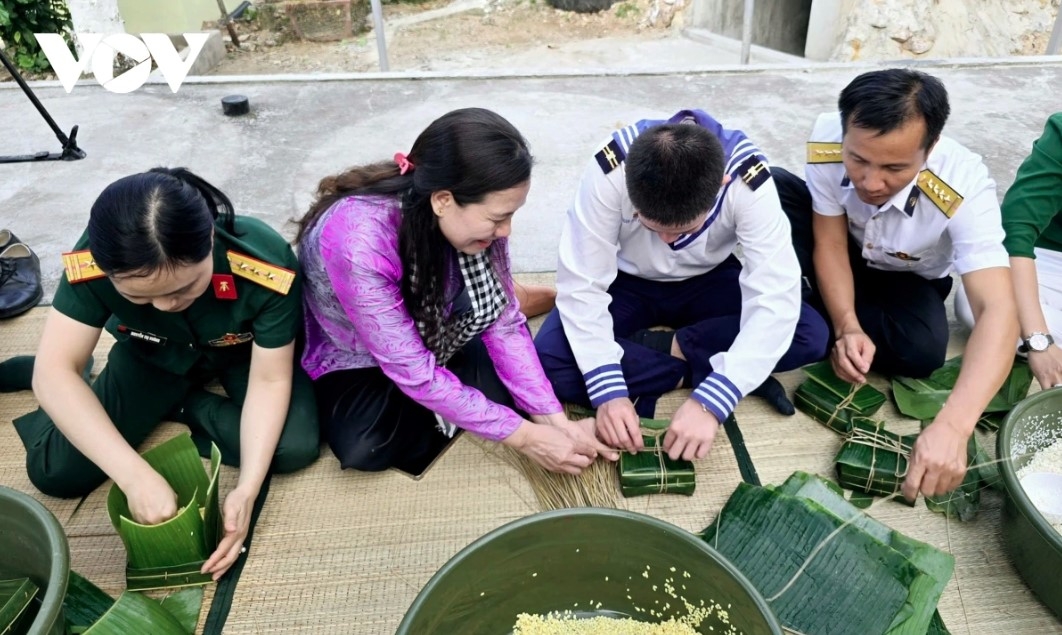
(171,554)
(87,609)
(830,400)
(824,566)
(91,611)
(16,604)
(650,471)
(923,398)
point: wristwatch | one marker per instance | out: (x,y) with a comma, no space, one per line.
(1037,342)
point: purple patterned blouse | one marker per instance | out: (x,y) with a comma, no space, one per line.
(355,318)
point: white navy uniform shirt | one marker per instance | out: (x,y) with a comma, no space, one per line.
(946,219)
(602,235)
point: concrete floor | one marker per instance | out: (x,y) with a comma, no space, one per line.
(302,129)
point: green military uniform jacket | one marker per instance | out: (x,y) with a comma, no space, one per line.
(1032,208)
(255,297)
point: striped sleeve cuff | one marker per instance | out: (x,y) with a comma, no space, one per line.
(718,395)
(605,383)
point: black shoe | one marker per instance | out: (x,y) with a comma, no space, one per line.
(20,280)
(773,392)
(7,239)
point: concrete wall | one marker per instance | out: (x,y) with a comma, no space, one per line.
(95,16)
(169,16)
(858,30)
(777,24)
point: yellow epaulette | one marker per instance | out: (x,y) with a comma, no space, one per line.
(81,266)
(819,152)
(945,198)
(269,276)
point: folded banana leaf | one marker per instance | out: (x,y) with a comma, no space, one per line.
(936,566)
(136,613)
(1014,389)
(15,597)
(867,399)
(923,398)
(171,553)
(650,471)
(965,501)
(816,401)
(819,573)
(936,627)
(89,610)
(84,604)
(873,460)
(185,605)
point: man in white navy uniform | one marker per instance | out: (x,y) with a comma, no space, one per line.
(650,241)
(890,209)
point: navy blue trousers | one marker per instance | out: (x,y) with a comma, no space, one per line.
(704,311)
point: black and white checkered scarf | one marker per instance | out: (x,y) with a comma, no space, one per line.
(488,299)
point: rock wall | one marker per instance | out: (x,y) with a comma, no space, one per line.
(899,29)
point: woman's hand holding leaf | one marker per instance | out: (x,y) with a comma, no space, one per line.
(236,518)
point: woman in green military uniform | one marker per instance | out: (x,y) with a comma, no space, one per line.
(191,293)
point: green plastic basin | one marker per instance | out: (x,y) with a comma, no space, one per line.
(587,559)
(33,545)
(1033,545)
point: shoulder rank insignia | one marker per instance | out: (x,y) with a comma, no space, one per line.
(824,152)
(754,172)
(945,198)
(269,276)
(81,266)
(610,156)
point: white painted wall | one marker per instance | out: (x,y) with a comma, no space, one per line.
(95,16)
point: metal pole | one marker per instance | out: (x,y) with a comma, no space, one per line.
(381,39)
(1056,35)
(746,32)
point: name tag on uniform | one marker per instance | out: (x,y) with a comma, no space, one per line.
(231,339)
(143,336)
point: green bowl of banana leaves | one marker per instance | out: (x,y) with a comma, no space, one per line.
(35,556)
(591,562)
(1031,542)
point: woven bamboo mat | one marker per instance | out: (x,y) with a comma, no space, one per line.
(347,552)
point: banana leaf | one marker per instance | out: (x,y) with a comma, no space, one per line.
(860,500)
(936,566)
(651,471)
(15,597)
(84,604)
(936,627)
(1014,389)
(136,613)
(818,573)
(820,404)
(171,553)
(965,501)
(185,606)
(867,399)
(919,398)
(873,468)
(923,398)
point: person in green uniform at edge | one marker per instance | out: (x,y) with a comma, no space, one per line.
(1032,219)
(191,292)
